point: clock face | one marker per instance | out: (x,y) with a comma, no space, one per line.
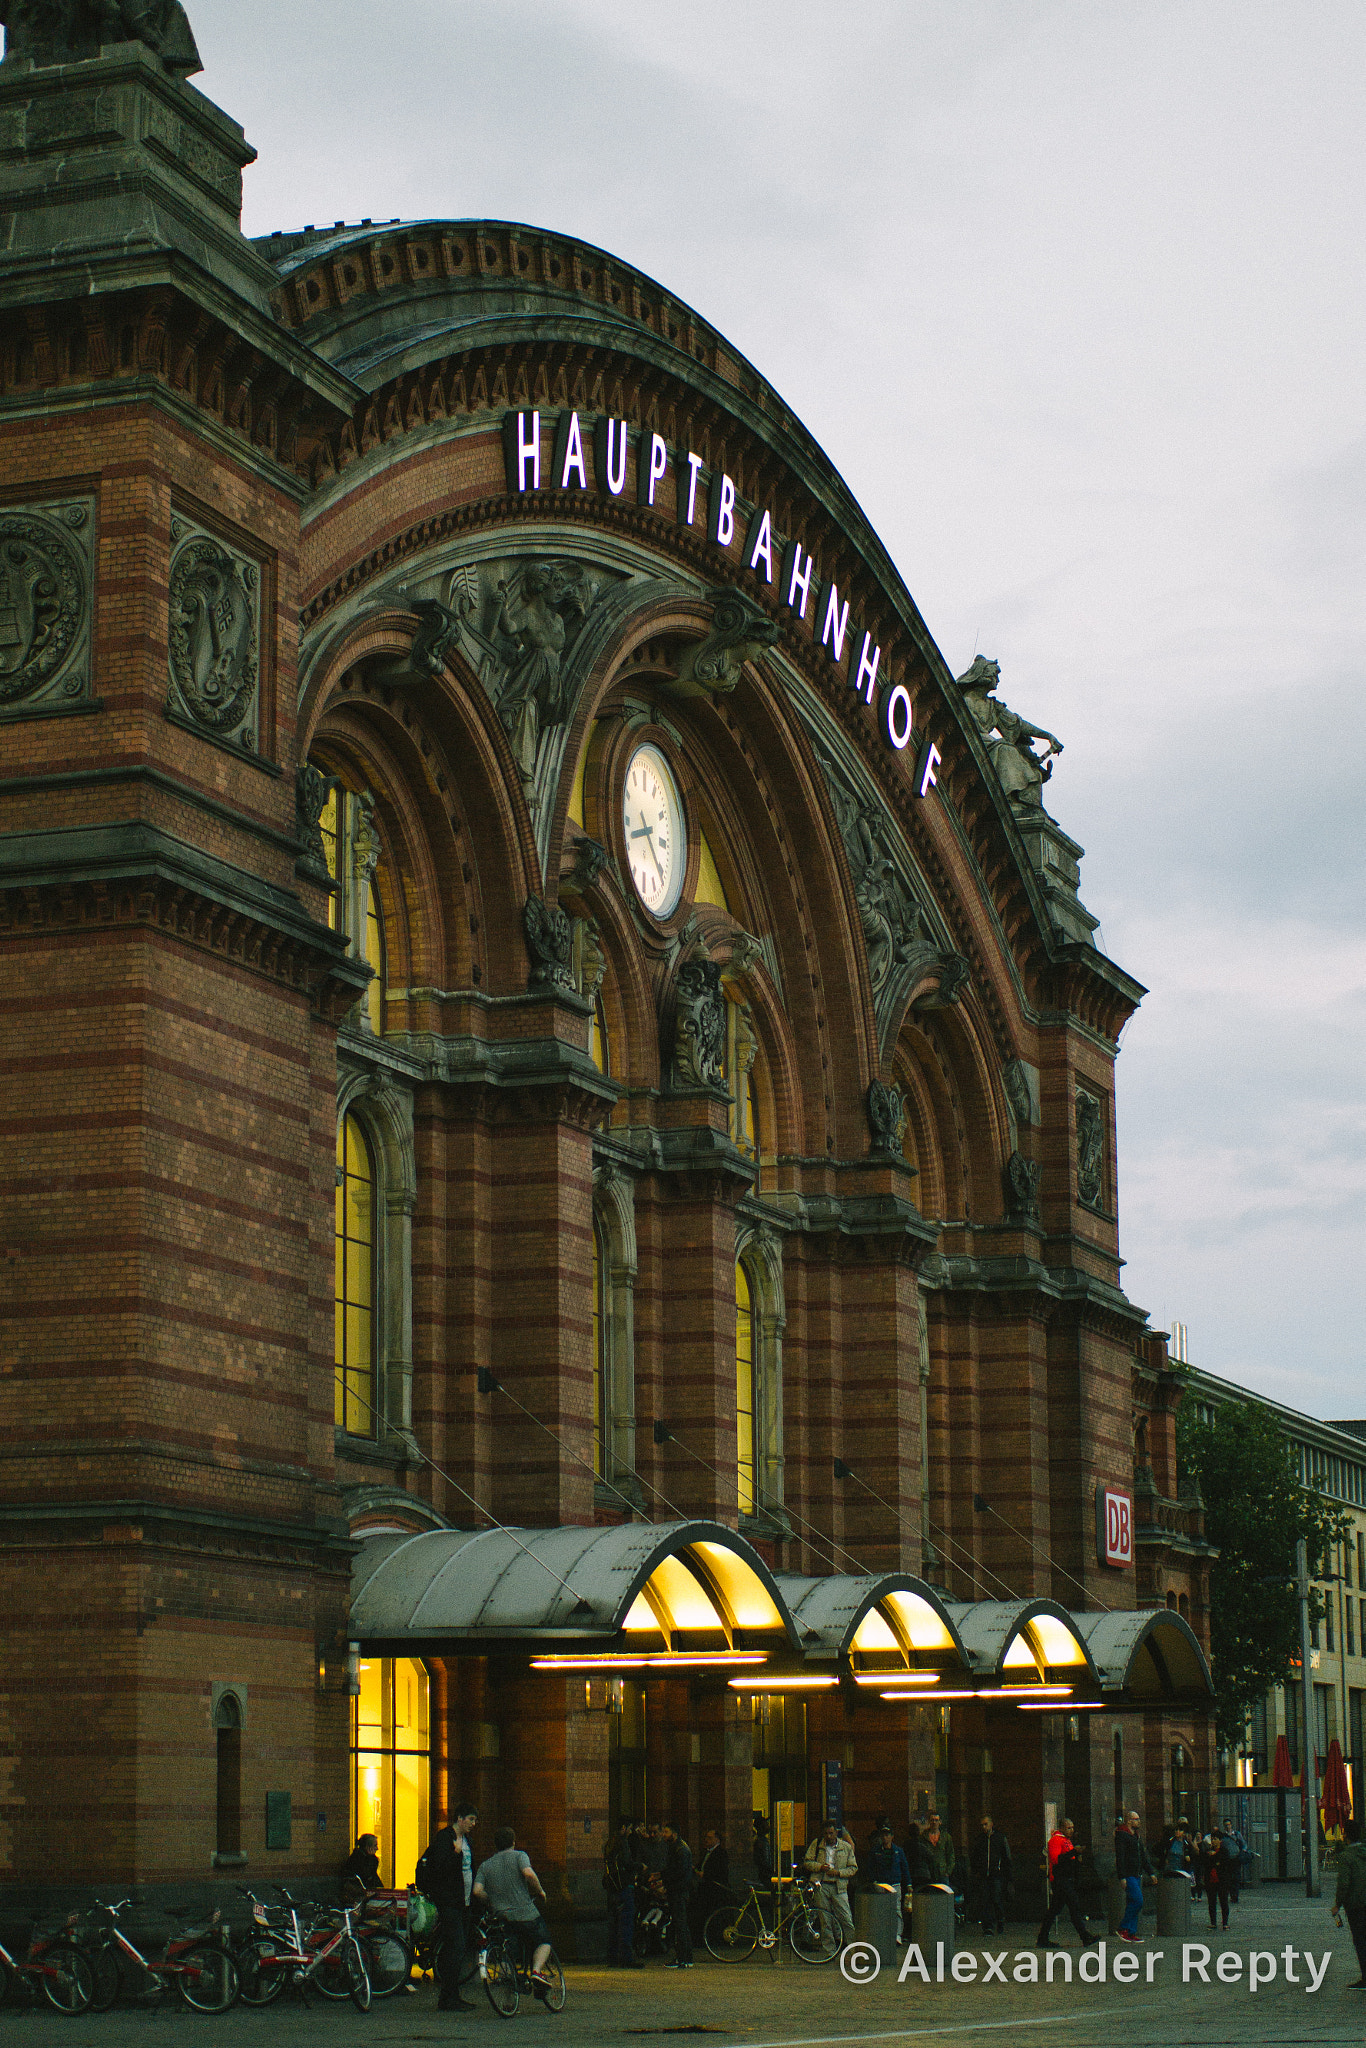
(654,830)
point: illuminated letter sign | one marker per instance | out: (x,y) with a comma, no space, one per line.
(834,622)
(569,453)
(609,456)
(722,510)
(759,545)
(865,675)
(522,449)
(1114,1527)
(651,463)
(687,500)
(925,776)
(796,578)
(897,715)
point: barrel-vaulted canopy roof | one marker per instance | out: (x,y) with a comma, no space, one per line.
(1151,1654)
(1021,1638)
(875,1614)
(684,1581)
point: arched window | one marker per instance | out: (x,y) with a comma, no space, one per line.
(227,1721)
(391,1762)
(351,843)
(354,1285)
(742,1049)
(600,1362)
(744,1390)
(599,1050)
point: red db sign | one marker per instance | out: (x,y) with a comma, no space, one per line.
(1114,1527)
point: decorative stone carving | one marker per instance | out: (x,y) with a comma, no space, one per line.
(1090,1151)
(745,950)
(590,858)
(1022,1180)
(311,791)
(1020,771)
(214,636)
(550,942)
(521,631)
(590,962)
(954,975)
(1019,1094)
(366,845)
(65,31)
(44,604)
(700,1030)
(886,1117)
(438,631)
(741,631)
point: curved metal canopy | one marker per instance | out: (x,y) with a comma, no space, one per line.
(696,1580)
(1149,1653)
(872,1613)
(1003,1638)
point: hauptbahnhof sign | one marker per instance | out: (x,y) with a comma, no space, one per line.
(568,469)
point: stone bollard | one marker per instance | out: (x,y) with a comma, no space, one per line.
(877,1920)
(932,1920)
(1173,1904)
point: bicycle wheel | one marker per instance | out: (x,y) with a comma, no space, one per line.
(70,1983)
(106,1977)
(814,1934)
(257,1983)
(500,1981)
(331,1977)
(210,1982)
(552,1995)
(357,1976)
(731,1933)
(388,1961)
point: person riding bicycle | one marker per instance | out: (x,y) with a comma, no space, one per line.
(506,1883)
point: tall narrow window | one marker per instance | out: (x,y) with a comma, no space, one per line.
(354,1286)
(744,1391)
(391,1762)
(598,1049)
(351,844)
(599,1362)
(228,1738)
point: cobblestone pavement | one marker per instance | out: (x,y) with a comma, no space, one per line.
(762,2004)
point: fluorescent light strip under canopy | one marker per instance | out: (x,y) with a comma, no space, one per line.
(896,1678)
(781,1684)
(1061,1706)
(1029,1692)
(717,1658)
(928,1699)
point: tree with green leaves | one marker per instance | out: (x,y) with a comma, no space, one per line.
(1256,1511)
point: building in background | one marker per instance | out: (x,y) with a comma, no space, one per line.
(560,1177)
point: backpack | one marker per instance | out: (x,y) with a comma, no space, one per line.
(424,1870)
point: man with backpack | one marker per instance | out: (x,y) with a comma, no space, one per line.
(676,1872)
(445,1872)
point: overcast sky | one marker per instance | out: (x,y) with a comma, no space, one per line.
(1073,297)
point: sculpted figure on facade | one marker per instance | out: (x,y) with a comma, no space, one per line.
(1023,1179)
(311,791)
(741,630)
(213,636)
(44,609)
(700,1031)
(550,943)
(523,631)
(1090,1151)
(66,31)
(886,1117)
(1020,771)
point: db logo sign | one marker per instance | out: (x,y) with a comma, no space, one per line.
(1114,1527)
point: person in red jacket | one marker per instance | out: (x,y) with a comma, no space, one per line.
(1064,1868)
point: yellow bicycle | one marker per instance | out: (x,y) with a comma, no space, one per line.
(734,1932)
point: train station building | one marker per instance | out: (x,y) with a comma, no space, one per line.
(560,1185)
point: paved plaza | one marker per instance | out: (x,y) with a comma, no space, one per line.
(763,2004)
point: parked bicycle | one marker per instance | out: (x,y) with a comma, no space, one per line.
(734,1932)
(507,1972)
(53,1965)
(197,1961)
(326,1955)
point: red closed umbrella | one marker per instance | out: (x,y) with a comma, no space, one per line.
(1337,1794)
(1281,1772)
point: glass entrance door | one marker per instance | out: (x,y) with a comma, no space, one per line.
(391,1762)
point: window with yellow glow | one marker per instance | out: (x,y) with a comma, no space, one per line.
(352,851)
(391,1764)
(354,1283)
(744,1391)
(710,887)
(599,1051)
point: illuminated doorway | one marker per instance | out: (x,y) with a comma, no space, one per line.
(391,1762)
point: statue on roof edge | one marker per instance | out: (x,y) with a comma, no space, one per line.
(66,31)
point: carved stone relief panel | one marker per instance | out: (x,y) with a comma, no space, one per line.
(215,637)
(46,581)
(1090,1151)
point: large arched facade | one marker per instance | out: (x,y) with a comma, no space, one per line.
(669,1063)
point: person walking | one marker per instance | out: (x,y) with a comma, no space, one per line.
(1350,1896)
(1220,1873)
(445,1872)
(676,1872)
(831,1858)
(1133,1864)
(507,1884)
(619,1870)
(1234,1836)
(938,1857)
(992,1876)
(1064,1872)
